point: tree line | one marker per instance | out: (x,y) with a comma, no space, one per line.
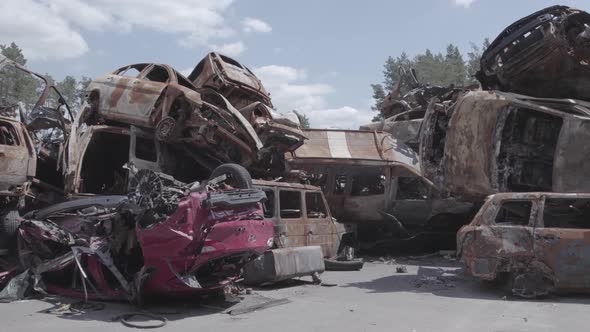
(437,69)
(17,86)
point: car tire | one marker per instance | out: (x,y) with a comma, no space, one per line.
(9,222)
(165,128)
(335,265)
(238,176)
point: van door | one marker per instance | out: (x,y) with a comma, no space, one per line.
(144,150)
(291,211)
(562,243)
(15,156)
(318,223)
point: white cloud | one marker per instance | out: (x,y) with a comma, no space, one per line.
(250,24)
(40,34)
(230,49)
(345,117)
(464,3)
(290,90)
(51,29)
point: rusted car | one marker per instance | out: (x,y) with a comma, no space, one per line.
(545,54)
(186,240)
(155,96)
(230,78)
(301,216)
(537,242)
(491,141)
(34,122)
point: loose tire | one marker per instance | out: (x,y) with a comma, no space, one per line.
(238,176)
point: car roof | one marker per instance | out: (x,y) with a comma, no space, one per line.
(285,185)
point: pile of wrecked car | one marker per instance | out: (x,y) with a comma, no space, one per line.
(149,190)
(521,139)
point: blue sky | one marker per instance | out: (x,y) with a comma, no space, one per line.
(315,56)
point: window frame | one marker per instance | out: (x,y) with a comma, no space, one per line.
(302,211)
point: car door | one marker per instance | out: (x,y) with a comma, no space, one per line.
(319,227)
(134,98)
(562,240)
(293,232)
(505,234)
(17,163)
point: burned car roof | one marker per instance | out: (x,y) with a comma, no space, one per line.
(354,147)
(232,79)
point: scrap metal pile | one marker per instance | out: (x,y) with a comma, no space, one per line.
(142,193)
(525,133)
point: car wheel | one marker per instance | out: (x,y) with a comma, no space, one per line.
(9,222)
(238,176)
(165,128)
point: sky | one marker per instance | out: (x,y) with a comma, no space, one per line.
(318,57)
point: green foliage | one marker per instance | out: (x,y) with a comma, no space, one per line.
(18,86)
(432,69)
(303,119)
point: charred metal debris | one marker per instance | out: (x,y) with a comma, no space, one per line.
(148,190)
(521,138)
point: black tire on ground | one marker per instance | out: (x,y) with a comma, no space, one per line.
(238,176)
(334,265)
(8,226)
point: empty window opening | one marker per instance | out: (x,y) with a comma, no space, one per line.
(527,149)
(567,213)
(290,203)
(339,184)
(314,203)
(8,135)
(365,185)
(411,188)
(102,164)
(514,213)
(230,61)
(145,149)
(269,204)
(158,74)
(131,71)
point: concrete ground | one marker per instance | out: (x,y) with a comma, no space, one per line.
(433,295)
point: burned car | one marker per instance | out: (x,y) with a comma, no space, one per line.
(155,96)
(491,141)
(537,242)
(301,217)
(230,78)
(165,238)
(34,123)
(546,54)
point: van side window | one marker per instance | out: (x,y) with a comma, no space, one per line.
(269,204)
(411,188)
(315,205)
(367,184)
(567,213)
(339,184)
(514,213)
(290,204)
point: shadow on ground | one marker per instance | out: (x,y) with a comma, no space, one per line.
(447,278)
